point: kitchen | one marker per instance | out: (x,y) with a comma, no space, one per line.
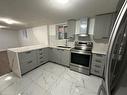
(51,49)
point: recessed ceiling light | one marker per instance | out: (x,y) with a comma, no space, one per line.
(62,1)
(10,21)
(1,26)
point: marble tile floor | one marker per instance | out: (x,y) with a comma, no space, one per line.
(50,79)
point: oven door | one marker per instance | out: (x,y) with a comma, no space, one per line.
(81,58)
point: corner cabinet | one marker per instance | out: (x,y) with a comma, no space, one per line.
(103,25)
(60,56)
(25,61)
(31,59)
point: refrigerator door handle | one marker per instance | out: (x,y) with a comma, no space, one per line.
(110,45)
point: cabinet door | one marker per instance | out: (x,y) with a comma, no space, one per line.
(58,56)
(42,56)
(71,28)
(65,57)
(102,27)
(53,55)
(27,61)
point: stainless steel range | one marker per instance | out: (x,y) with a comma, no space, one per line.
(81,56)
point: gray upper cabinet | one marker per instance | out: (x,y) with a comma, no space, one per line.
(103,24)
(71,28)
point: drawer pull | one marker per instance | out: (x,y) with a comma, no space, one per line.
(40,49)
(41,57)
(29,62)
(99,55)
(97,66)
(96,71)
(98,61)
(40,53)
(28,52)
(41,61)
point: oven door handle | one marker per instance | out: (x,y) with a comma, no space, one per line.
(79,52)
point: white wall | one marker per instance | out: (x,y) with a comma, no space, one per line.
(34,36)
(8,39)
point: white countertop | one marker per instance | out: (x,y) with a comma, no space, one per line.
(27,48)
(34,47)
(97,48)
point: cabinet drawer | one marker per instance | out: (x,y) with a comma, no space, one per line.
(97,61)
(41,51)
(98,66)
(27,66)
(43,58)
(26,56)
(100,61)
(98,72)
(41,62)
(99,57)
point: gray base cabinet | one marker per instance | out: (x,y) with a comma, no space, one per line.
(54,55)
(31,59)
(27,61)
(97,66)
(65,57)
(42,56)
(60,56)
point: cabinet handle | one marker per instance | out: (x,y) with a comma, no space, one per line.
(96,71)
(41,57)
(100,55)
(29,62)
(40,53)
(28,52)
(41,61)
(98,61)
(97,66)
(40,49)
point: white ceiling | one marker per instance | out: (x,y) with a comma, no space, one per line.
(39,12)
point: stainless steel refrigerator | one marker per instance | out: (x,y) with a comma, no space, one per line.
(115,81)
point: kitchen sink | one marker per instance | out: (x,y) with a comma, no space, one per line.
(63,46)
